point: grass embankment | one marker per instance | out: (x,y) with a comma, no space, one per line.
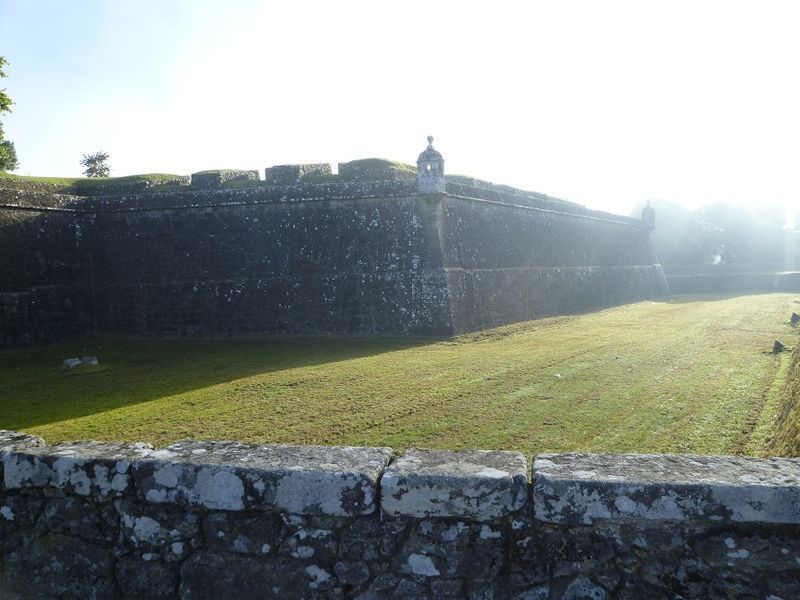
(93,185)
(786,438)
(367,169)
(682,376)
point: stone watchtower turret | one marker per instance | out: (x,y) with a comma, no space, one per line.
(430,170)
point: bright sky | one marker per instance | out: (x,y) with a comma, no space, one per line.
(603,103)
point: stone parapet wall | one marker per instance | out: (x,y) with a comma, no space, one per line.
(40,315)
(485,298)
(46,270)
(357,257)
(254,195)
(38,200)
(223,519)
(726,282)
(477,234)
(508,195)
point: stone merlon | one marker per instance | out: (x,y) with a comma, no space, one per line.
(474,484)
(584,488)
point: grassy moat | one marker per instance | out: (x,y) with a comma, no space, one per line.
(689,375)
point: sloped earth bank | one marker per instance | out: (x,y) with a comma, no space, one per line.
(786,441)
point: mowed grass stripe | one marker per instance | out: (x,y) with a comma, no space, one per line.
(688,375)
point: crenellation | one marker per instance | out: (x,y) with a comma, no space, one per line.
(216,178)
(282,175)
(440,523)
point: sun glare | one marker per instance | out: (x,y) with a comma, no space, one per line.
(791,217)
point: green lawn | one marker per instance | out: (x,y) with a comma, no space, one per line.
(688,375)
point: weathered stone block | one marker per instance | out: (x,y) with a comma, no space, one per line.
(315,480)
(479,485)
(18,516)
(584,488)
(352,573)
(451,549)
(60,566)
(369,539)
(318,545)
(81,518)
(9,440)
(168,530)
(152,579)
(99,469)
(752,552)
(12,440)
(252,533)
(210,575)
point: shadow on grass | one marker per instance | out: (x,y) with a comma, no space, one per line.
(34,391)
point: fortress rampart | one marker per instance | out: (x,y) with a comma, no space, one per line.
(331,257)
(219,519)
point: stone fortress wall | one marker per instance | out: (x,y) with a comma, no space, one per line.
(221,519)
(367,255)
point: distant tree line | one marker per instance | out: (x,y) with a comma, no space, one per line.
(725,234)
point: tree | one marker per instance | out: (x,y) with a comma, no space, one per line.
(8,154)
(96,165)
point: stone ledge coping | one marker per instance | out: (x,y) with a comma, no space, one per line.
(100,469)
(471,485)
(584,488)
(12,440)
(474,484)
(316,480)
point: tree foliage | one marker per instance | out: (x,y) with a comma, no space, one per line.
(96,165)
(8,154)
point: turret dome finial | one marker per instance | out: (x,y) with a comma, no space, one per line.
(430,140)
